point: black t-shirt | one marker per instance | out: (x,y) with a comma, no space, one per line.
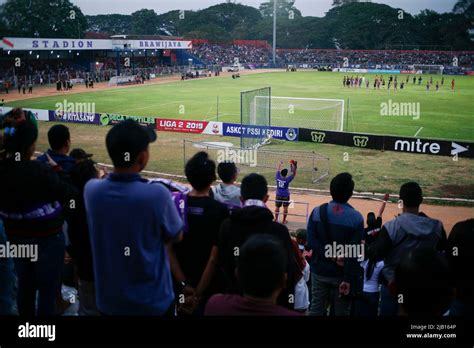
(204,219)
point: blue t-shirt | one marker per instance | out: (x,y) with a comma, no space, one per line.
(128,221)
(65,161)
(282,184)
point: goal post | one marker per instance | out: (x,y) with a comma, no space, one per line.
(255,117)
(435,69)
(313,167)
(316,113)
(260,110)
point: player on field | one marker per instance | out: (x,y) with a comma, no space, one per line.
(452,84)
(442,81)
(283,193)
(414,79)
(437,86)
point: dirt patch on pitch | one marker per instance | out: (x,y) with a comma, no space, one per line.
(466,191)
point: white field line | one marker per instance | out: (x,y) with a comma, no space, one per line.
(418,132)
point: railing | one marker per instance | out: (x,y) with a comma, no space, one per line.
(98,76)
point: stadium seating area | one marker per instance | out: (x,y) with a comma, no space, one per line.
(224,55)
(369,59)
(49,71)
(46,72)
(155,247)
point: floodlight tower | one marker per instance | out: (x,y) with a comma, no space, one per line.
(274,29)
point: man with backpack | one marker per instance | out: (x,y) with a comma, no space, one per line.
(409,231)
(336,225)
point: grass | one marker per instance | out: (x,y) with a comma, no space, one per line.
(444,114)
(373,171)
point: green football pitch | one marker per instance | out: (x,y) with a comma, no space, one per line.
(443,114)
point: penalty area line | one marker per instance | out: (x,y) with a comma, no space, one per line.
(419,130)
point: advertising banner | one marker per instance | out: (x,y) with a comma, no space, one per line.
(389,143)
(106,119)
(40,115)
(161,44)
(27,44)
(383,71)
(351,70)
(365,141)
(213,128)
(429,146)
(281,133)
(34,43)
(4,109)
(182,126)
(73,117)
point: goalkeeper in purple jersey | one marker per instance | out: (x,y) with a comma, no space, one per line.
(283,192)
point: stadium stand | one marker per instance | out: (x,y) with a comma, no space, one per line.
(48,185)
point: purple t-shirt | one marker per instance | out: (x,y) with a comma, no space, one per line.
(282,185)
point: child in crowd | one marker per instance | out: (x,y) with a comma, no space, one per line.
(368,302)
(227,192)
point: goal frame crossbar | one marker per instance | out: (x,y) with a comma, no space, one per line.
(342,101)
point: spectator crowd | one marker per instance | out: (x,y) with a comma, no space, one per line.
(41,71)
(159,248)
(226,54)
(371,59)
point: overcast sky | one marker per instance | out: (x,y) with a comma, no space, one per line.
(307,7)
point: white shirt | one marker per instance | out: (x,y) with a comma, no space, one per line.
(372,284)
(301,291)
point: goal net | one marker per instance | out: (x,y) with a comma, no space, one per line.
(429,68)
(122,80)
(255,114)
(315,113)
(313,167)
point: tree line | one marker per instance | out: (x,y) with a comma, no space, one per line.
(349,24)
